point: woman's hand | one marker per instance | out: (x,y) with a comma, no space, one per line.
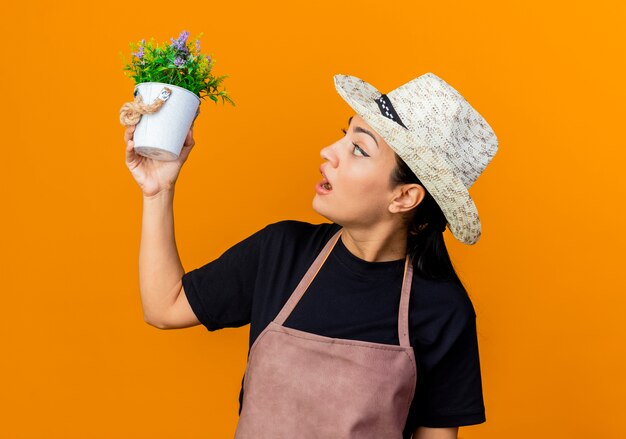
(154,176)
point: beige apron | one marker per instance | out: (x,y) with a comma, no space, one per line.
(303,385)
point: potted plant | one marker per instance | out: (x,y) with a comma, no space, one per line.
(170,80)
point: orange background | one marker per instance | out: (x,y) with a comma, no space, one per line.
(78,359)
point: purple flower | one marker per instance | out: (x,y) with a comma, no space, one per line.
(183,36)
(180,44)
(179,61)
(140,53)
(208,59)
(198,46)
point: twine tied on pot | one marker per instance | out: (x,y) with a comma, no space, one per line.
(131,112)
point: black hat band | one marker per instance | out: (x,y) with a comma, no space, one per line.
(387,110)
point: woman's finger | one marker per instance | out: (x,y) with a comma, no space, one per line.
(131,155)
(189,141)
(128,133)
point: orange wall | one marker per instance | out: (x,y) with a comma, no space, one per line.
(78,359)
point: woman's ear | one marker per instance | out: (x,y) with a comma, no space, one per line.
(406,197)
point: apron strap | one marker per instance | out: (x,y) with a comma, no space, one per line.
(307,279)
(403,312)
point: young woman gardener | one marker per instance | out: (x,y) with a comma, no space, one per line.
(383,344)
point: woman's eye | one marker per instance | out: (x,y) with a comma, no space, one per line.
(357,147)
(363,153)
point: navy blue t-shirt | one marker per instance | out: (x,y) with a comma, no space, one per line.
(353,299)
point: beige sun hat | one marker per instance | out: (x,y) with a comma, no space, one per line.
(438,134)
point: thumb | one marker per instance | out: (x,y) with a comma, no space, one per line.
(187,146)
(184,153)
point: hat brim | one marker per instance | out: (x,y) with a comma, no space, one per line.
(427,163)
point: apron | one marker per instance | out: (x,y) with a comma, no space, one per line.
(302,385)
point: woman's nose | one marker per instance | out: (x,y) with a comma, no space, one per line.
(329,155)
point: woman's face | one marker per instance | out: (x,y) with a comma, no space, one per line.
(357,167)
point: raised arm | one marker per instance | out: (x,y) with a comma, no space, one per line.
(436,433)
(163,299)
(160,269)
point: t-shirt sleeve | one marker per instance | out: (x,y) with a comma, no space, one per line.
(449,388)
(220,292)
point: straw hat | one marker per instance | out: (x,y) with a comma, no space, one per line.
(440,136)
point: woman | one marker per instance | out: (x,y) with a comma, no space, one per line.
(383,344)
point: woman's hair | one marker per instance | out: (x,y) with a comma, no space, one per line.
(425,243)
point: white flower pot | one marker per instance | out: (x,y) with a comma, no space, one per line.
(161,135)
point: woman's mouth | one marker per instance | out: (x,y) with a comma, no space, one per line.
(323,187)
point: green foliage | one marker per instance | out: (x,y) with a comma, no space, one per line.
(179,63)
